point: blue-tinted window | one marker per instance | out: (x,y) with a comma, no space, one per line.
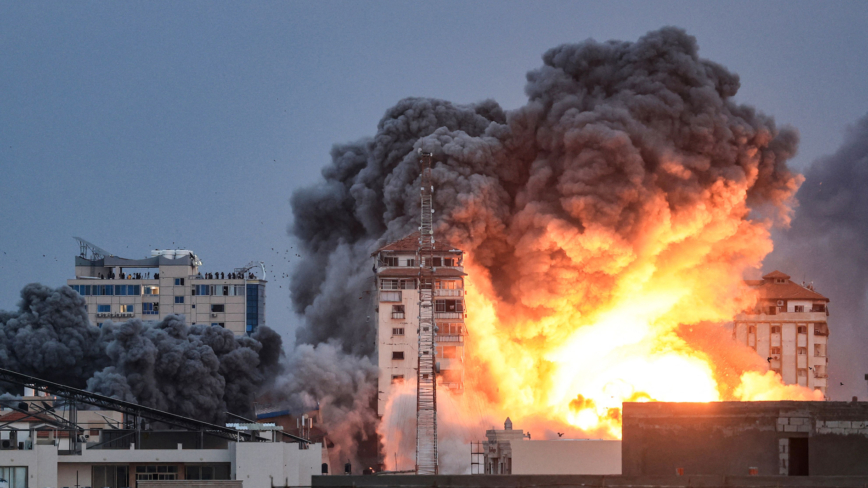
(179,281)
(252,308)
(99,324)
(103,308)
(179,299)
(107,289)
(120,289)
(135,289)
(87,289)
(150,308)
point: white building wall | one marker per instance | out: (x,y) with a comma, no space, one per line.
(568,456)
(267,464)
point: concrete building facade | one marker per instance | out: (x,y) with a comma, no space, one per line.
(169,282)
(789,328)
(743,438)
(396,269)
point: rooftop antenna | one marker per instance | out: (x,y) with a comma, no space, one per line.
(426,383)
(96,252)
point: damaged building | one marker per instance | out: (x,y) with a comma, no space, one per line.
(788,328)
(396,266)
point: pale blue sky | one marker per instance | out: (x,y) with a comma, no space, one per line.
(142,124)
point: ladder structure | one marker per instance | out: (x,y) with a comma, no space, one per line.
(426,383)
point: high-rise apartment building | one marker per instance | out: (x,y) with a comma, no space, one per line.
(396,267)
(169,282)
(788,328)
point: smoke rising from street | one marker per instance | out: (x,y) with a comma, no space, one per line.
(197,371)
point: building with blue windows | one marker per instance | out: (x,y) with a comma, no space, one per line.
(168,282)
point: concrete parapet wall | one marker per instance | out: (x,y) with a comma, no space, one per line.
(587,481)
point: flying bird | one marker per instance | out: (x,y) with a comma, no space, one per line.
(560,434)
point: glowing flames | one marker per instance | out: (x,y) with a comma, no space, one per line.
(602,317)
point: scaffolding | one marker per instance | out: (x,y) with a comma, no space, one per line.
(426,383)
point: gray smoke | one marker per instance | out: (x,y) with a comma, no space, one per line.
(827,244)
(608,128)
(197,371)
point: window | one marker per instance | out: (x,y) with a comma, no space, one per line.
(776,350)
(437,262)
(15,475)
(179,281)
(390,261)
(802,351)
(411,262)
(212,472)
(156,472)
(110,476)
(103,308)
(803,329)
(397,311)
(218,308)
(127,290)
(390,284)
(150,308)
(390,296)
(397,354)
(780,281)
(397,331)
(751,329)
(449,306)
(397,378)
(152,290)
(799,308)
(451,329)
(818,307)
(448,262)
(802,372)
(818,350)
(128,309)
(408,284)
(776,329)
(218,324)
(179,299)
(99,324)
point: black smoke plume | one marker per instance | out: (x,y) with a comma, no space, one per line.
(609,129)
(827,244)
(197,371)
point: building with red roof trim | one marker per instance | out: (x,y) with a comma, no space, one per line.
(788,327)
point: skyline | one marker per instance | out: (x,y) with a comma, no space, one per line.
(209,113)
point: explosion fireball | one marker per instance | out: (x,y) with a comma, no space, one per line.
(608,225)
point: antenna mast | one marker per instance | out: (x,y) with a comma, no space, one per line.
(426,383)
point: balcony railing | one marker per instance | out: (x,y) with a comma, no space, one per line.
(442,292)
(450,338)
(397,315)
(449,315)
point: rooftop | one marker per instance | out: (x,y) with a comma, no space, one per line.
(779,286)
(408,243)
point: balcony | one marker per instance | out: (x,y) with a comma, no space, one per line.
(450,338)
(397,315)
(449,315)
(781,317)
(438,292)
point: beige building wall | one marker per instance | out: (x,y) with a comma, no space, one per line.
(566,456)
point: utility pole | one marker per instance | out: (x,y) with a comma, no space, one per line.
(426,383)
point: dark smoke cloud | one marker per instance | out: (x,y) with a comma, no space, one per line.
(607,128)
(197,371)
(827,244)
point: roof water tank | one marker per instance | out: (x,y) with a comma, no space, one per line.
(156,252)
(168,253)
(180,253)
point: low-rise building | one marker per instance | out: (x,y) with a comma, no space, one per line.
(788,328)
